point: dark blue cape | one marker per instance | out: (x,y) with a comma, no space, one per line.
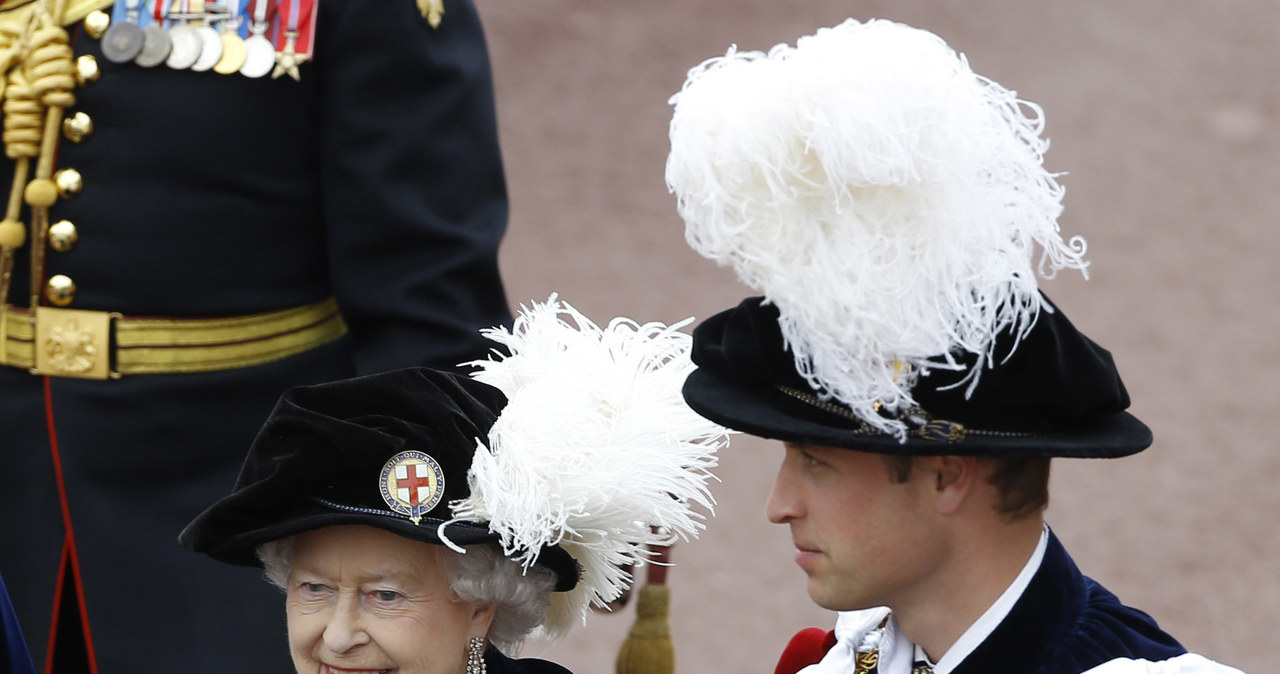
(14,658)
(1066,623)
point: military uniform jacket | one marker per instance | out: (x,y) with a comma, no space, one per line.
(1064,623)
(375,179)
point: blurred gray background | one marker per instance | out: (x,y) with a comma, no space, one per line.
(1164,117)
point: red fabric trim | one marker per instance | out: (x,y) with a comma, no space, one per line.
(69,547)
(807,647)
(57,606)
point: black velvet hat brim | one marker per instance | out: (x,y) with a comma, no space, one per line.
(769,413)
(1053,392)
(241,548)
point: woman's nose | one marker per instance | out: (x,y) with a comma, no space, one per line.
(346,629)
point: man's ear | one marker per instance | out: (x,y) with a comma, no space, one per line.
(953,479)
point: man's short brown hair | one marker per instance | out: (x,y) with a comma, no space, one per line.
(1021,482)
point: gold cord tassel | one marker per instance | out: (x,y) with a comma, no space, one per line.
(648,648)
(13,234)
(35,95)
(37,52)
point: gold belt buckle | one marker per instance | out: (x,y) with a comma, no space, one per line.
(73,343)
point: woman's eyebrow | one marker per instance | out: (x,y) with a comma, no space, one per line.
(388,574)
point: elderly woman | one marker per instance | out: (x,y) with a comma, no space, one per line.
(422,522)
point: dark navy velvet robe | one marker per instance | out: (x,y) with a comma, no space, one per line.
(497,663)
(14,658)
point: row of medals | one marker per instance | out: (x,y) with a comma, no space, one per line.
(184,46)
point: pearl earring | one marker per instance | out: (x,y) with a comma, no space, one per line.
(475,656)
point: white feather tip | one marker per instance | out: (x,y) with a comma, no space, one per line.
(594,448)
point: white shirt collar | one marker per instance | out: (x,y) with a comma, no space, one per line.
(984,626)
(853,631)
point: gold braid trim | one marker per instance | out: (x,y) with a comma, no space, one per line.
(51,67)
(23,120)
(60,338)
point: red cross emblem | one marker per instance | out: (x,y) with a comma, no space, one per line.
(413,482)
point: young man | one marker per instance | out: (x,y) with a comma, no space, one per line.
(888,203)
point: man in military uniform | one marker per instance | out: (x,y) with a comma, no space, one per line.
(891,205)
(189,234)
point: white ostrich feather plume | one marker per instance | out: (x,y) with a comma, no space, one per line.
(885,197)
(594,448)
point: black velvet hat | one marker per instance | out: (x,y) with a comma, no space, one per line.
(389,450)
(1057,394)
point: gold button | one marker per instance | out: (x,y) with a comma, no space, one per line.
(86,69)
(60,290)
(97,23)
(69,182)
(77,127)
(63,235)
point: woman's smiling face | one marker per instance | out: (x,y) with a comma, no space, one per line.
(365,600)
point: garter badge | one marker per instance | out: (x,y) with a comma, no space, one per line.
(412,484)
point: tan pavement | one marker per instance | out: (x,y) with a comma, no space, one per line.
(1166,118)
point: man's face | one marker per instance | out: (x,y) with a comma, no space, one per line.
(862,539)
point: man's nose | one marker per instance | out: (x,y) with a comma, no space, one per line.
(783,504)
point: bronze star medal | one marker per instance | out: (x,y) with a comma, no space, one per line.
(288,59)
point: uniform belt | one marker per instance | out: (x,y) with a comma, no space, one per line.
(102,345)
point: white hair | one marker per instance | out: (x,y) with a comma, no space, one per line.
(483,576)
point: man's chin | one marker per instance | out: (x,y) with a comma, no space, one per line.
(821,595)
(832,599)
